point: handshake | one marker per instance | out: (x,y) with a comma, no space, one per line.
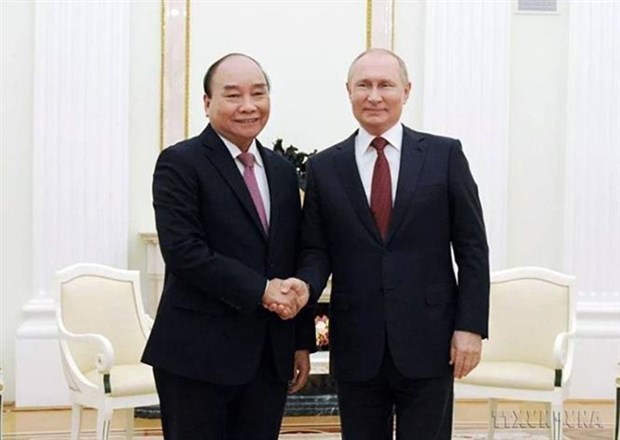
(285,297)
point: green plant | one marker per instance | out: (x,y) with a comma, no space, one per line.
(295,157)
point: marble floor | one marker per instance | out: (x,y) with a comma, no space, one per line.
(478,435)
(585,420)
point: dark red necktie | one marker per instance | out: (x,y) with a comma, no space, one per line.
(381,189)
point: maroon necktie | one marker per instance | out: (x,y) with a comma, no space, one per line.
(381,189)
(247,159)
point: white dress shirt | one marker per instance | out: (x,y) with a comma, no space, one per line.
(259,171)
(365,156)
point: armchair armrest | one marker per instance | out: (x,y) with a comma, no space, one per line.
(105,355)
(149,322)
(559,348)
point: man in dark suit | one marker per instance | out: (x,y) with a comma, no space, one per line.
(382,212)
(227,213)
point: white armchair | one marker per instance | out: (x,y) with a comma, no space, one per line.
(102,332)
(529,353)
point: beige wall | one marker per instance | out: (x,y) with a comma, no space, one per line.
(537,151)
(144,124)
(306,56)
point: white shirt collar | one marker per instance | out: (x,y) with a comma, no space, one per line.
(235,151)
(394,136)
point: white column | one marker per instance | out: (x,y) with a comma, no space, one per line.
(593,158)
(80,169)
(466,96)
(592,232)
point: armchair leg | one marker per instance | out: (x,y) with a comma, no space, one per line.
(104,419)
(557,421)
(76,421)
(492,419)
(617,427)
(130,423)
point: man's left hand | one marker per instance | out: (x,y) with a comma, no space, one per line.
(465,351)
(301,371)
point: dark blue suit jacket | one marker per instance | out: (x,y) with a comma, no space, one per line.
(403,291)
(210,324)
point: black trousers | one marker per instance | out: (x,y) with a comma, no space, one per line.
(423,407)
(197,410)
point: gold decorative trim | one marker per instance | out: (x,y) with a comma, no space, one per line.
(368,24)
(393,24)
(186,98)
(162,61)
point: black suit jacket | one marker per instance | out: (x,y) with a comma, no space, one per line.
(403,291)
(210,324)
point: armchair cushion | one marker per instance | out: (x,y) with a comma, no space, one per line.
(126,380)
(516,375)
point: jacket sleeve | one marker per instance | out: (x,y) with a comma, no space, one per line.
(305,336)
(468,238)
(314,265)
(176,200)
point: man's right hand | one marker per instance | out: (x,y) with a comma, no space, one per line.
(275,300)
(297,287)
(296,293)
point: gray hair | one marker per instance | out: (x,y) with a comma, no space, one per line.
(401,64)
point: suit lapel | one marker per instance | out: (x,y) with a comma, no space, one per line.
(413,152)
(222,160)
(346,169)
(275,189)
